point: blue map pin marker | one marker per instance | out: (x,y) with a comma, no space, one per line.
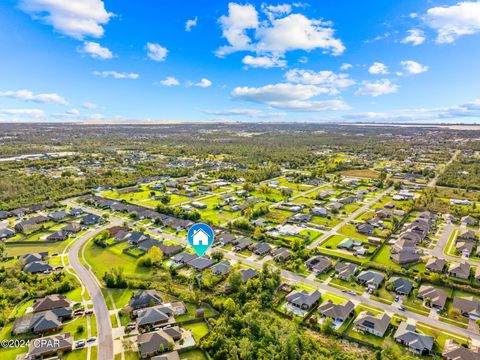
(200,237)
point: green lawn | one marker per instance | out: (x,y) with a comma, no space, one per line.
(75,355)
(325,221)
(93,325)
(347,284)
(77,327)
(199,330)
(122,296)
(193,355)
(102,260)
(22,249)
(349,230)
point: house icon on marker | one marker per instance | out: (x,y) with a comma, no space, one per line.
(200,237)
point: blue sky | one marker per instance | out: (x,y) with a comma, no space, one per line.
(324,60)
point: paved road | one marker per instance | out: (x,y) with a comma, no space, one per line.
(104,327)
(351,217)
(437,251)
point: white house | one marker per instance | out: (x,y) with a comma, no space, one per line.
(200,237)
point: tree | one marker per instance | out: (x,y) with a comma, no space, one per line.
(217,256)
(235,281)
(155,254)
(327,326)
(229,306)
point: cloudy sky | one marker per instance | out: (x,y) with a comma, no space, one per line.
(323,60)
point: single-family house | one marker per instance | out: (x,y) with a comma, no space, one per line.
(49,346)
(459,270)
(337,312)
(371,279)
(469,307)
(437,297)
(417,343)
(346,270)
(373,324)
(248,274)
(145,298)
(319,264)
(435,265)
(302,299)
(401,286)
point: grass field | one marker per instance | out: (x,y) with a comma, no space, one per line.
(199,330)
(101,260)
(193,355)
(22,249)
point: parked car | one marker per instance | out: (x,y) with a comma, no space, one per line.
(80,344)
(92,339)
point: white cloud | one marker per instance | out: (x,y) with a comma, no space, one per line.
(452,22)
(89,105)
(96,51)
(156,52)
(203,83)
(169,81)
(273,11)
(289,96)
(377,88)
(28,113)
(378,68)
(190,24)
(413,67)
(346,66)
(263,61)
(116,74)
(253,113)
(326,78)
(240,18)
(297,32)
(276,35)
(414,37)
(45,98)
(75,18)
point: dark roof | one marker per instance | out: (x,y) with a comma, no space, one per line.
(50,344)
(302,298)
(184,257)
(36,266)
(143,298)
(200,263)
(371,277)
(154,315)
(221,268)
(436,265)
(438,297)
(50,302)
(5,233)
(28,258)
(406,333)
(336,311)
(402,286)
(468,305)
(248,274)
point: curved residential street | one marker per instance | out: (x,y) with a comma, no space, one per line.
(104,327)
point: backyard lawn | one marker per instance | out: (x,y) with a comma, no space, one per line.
(199,330)
(193,355)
